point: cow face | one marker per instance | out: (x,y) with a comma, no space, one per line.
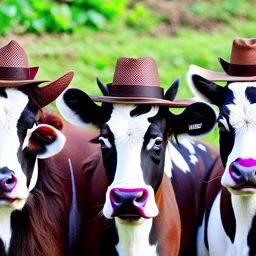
(133,139)
(237,129)
(23,141)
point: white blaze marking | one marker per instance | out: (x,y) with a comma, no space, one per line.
(129,137)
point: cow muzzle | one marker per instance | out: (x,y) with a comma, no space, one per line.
(243,173)
(129,203)
(7,180)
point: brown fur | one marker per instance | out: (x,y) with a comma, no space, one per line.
(168,226)
(41,228)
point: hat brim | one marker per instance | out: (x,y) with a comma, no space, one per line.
(18,83)
(53,89)
(179,103)
(219,76)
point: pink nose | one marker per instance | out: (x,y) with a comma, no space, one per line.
(8,183)
(243,171)
(128,203)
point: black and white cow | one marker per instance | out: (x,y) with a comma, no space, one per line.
(230,219)
(39,209)
(23,142)
(140,161)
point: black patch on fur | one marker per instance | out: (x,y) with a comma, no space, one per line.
(109,154)
(251,238)
(152,160)
(25,157)
(209,89)
(140,110)
(110,239)
(226,138)
(227,214)
(82,105)
(3,93)
(250,93)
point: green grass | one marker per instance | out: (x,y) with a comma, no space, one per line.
(91,54)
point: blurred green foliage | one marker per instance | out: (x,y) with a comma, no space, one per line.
(53,16)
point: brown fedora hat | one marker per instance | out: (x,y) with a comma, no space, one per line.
(136,81)
(15,72)
(242,65)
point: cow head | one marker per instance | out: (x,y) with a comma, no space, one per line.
(237,129)
(133,139)
(23,141)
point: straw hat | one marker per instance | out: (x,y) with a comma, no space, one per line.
(136,81)
(15,72)
(242,65)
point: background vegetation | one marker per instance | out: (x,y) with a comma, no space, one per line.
(89,35)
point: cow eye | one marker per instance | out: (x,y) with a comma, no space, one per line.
(104,142)
(155,144)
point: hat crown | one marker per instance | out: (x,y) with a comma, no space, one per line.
(13,55)
(136,71)
(243,51)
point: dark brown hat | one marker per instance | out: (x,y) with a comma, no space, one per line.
(242,65)
(136,81)
(15,72)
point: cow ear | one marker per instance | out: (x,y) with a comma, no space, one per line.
(205,89)
(78,108)
(172,91)
(197,119)
(44,141)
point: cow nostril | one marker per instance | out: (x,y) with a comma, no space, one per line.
(9,183)
(116,198)
(140,197)
(10,180)
(236,172)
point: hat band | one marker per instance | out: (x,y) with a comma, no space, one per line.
(136,91)
(14,73)
(237,69)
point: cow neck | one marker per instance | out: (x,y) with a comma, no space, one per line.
(244,213)
(227,214)
(133,239)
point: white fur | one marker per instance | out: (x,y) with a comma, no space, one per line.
(178,159)
(201,248)
(219,242)
(52,149)
(134,238)
(5,227)
(244,209)
(34,177)
(129,136)
(167,162)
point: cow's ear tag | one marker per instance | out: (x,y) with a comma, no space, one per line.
(199,119)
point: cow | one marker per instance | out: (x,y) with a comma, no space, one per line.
(154,185)
(229,225)
(41,178)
